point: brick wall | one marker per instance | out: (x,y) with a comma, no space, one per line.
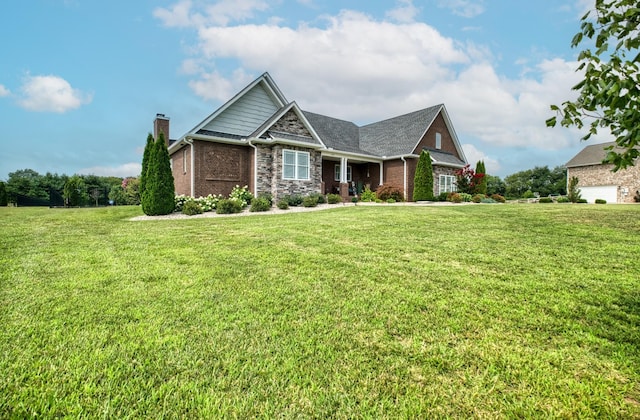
(597,175)
(429,138)
(181,168)
(393,172)
(220,167)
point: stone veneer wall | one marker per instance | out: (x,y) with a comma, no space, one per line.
(290,123)
(601,175)
(265,168)
(441,170)
(280,187)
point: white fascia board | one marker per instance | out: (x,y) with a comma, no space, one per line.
(287,142)
(339,154)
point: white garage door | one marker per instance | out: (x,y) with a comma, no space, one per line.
(609,193)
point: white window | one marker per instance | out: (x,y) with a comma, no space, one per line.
(438,141)
(295,165)
(337,173)
(446,183)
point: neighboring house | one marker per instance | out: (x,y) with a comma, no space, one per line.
(260,139)
(596,179)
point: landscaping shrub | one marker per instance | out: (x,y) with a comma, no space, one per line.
(498,198)
(636,197)
(191,208)
(268,197)
(455,197)
(528,194)
(466,197)
(562,200)
(294,200)
(478,198)
(386,192)
(546,200)
(573,192)
(243,195)
(390,200)
(582,201)
(319,197)
(229,206)
(260,204)
(601,201)
(310,201)
(488,200)
(283,204)
(334,199)
(367,195)
(158,196)
(443,196)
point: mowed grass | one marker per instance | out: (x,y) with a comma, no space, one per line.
(482,311)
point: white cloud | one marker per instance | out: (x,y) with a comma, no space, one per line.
(51,93)
(4,91)
(405,12)
(464,8)
(122,171)
(474,155)
(185,13)
(354,67)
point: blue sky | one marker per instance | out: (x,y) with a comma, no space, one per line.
(81,81)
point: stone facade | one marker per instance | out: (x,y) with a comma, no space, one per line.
(627,180)
(290,123)
(281,187)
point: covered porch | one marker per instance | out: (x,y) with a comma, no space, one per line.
(348,176)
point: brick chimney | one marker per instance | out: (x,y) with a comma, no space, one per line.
(161,124)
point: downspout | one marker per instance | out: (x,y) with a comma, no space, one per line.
(404,177)
(193,174)
(255,168)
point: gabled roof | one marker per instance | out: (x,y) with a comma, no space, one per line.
(265,81)
(444,158)
(266,127)
(592,155)
(337,134)
(405,130)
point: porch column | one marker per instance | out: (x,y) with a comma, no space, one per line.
(344,185)
(381,173)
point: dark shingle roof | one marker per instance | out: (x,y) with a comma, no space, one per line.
(336,134)
(444,157)
(399,135)
(591,155)
(219,134)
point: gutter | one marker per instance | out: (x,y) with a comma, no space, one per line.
(255,168)
(402,158)
(193,161)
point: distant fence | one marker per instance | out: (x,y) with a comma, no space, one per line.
(99,196)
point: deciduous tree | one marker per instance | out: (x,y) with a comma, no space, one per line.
(609,94)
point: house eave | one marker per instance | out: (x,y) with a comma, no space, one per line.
(286,142)
(340,154)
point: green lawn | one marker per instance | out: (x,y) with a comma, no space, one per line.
(487,311)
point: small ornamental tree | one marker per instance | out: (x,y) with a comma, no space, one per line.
(467,180)
(573,192)
(481,184)
(158,197)
(423,179)
(145,165)
(3,195)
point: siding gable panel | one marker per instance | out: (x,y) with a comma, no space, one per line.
(246,115)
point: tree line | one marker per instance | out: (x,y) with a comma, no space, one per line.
(76,190)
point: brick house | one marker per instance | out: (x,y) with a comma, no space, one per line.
(261,140)
(596,179)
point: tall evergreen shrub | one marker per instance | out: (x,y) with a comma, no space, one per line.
(148,148)
(481,186)
(423,179)
(159,191)
(3,195)
(573,192)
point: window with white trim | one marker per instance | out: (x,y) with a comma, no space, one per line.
(446,183)
(438,141)
(337,173)
(295,165)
